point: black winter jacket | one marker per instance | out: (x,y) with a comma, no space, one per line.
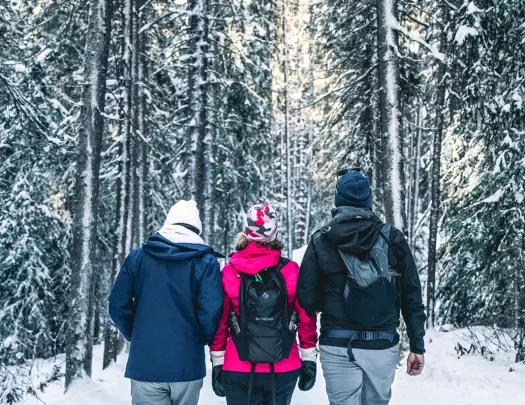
(323,277)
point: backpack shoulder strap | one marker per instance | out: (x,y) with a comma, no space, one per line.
(283,261)
(384,232)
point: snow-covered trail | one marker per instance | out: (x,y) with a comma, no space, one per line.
(470,380)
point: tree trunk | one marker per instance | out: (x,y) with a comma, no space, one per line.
(416,167)
(79,345)
(308,171)
(436,178)
(127,142)
(377,156)
(289,219)
(207,132)
(143,195)
(121,238)
(133,118)
(197,98)
(393,172)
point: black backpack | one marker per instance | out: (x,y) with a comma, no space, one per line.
(264,336)
(371,292)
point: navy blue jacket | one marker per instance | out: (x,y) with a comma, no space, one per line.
(167,300)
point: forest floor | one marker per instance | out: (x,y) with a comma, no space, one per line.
(447,379)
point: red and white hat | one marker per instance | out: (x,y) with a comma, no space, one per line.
(260,224)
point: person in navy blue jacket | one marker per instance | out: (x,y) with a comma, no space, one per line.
(167,301)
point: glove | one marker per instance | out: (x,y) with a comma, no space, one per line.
(217,360)
(216,381)
(308,375)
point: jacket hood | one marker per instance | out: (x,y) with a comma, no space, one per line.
(254,258)
(161,248)
(353,230)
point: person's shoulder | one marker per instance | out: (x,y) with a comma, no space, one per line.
(289,265)
(290,271)
(319,234)
(134,255)
(397,241)
(210,259)
(396,235)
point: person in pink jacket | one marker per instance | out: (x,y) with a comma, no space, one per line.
(242,382)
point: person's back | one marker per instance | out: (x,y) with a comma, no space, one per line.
(167,301)
(359,273)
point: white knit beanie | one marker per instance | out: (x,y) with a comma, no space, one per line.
(184,212)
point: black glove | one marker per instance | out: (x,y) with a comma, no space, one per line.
(307,376)
(216,381)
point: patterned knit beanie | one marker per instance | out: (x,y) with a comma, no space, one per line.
(260,224)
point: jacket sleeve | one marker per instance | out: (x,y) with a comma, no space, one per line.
(307,328)
(412,306)
(308,288)
(121,304)
(221,337)
(209,299)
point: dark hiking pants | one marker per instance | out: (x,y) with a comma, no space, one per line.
(236,387)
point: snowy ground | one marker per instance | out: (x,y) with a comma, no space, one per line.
(468,380)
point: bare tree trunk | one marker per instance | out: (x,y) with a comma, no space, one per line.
(133,118)
(436,178)
(309,174)
(394,184)
(142,194)
(208,213)
(377,156)
(197,98)
(127,137)
(79,345)
(289,219)
(416,167)
(122,243)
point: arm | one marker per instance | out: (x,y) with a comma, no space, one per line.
(221,337)
(307,328)
(121,305)
(307,332)
(411,297)
(209,299)
(308,292)
(218,346)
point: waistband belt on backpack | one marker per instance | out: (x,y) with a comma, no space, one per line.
(359,335)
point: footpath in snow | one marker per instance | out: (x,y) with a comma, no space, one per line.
(447,380)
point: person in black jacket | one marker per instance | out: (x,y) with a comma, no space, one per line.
(360,274)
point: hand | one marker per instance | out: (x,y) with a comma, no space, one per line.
(415,364)
(308,375)
(216,381)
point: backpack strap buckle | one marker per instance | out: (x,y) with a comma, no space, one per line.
(367,335)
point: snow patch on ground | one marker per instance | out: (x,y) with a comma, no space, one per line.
(447,379)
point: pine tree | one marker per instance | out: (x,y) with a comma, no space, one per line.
(483,234)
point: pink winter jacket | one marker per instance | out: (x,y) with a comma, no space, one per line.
(252,260)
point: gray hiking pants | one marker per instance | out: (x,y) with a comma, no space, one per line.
(366,381)
(179,393)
